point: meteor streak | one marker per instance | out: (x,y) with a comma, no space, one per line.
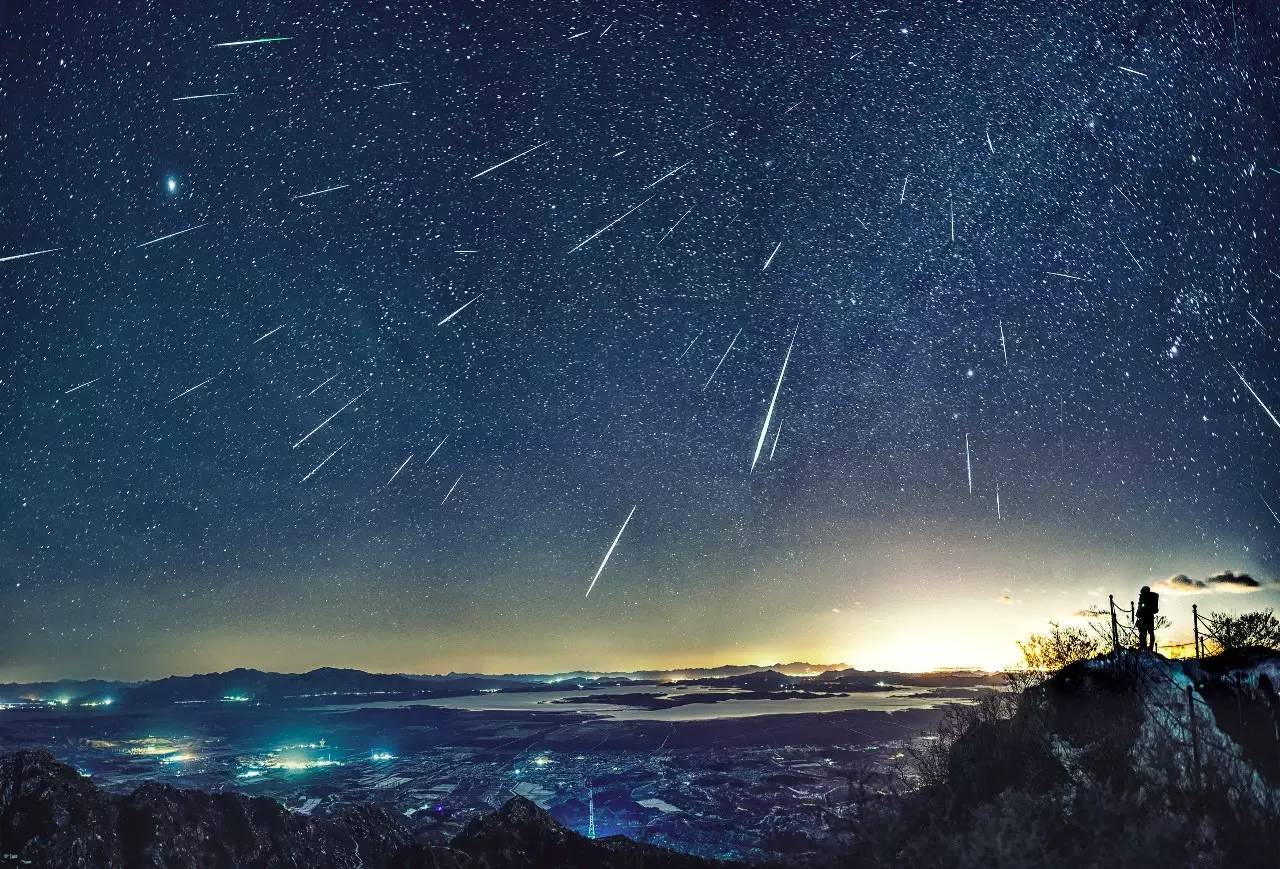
(600,569)
(318,192)
(437,449)
(327,421)
(5,259)
(1254,394)
(326,459)
(206,96)
(1131,256)
(691,343)
(457,312)
(267,335)
(322,384)
(768,417)
(777,431)
(185,391)
(1065,275)
(668,175)
(398,470)
(253,41)
(1134,72)
(81,386)
(451,488)
(172,235)
(674,225)
(1274,515)
(771,256)
(1003,348)
(605,228)
(508,160)
(968,462)
(721,362)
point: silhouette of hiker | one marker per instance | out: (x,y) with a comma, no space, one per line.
(1148,606)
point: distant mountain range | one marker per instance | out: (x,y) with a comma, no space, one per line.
(333,685)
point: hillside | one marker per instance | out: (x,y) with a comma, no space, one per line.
(1131,761)
(53,817)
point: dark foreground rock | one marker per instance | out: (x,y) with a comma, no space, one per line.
(51,816)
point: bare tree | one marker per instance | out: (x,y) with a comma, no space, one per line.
(1226,631)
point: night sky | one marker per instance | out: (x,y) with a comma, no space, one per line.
(248,238)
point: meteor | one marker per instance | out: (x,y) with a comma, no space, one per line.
(267,335)
(206,96)
(1065,275)
(327,421)
(1274,514)
(437,449)
(451,488)
(968,462)
(673,227)
(398,470)
(691,343)
(326,459)
(5,259)
(777,431)
(322,384)
(457,312)
(1131,256)
(600,569)
(999,515)
(258,41)
(185,391)
(1254,394)
(771,256)
(605,228)
(508,160)
(1004,350)
(81,386)
(721,362)
(1134,72)
(172,235)
(668,175)
(768,417)
(318,192)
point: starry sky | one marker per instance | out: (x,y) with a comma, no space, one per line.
(1019,260)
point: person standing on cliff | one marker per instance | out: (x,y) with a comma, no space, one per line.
(1148,606)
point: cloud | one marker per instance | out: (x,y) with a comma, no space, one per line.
(1225,581)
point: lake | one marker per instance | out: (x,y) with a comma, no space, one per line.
(889,700)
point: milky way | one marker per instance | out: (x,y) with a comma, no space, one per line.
(1024,245)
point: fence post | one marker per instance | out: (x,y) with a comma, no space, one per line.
(1115,632)
(1195,738)
(1195,622)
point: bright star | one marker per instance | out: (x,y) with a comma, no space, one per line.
(171,184)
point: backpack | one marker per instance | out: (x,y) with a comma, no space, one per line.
(1152,603)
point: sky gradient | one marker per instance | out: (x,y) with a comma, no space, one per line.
(1019,247)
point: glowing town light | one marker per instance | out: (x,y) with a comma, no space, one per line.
(382,755)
